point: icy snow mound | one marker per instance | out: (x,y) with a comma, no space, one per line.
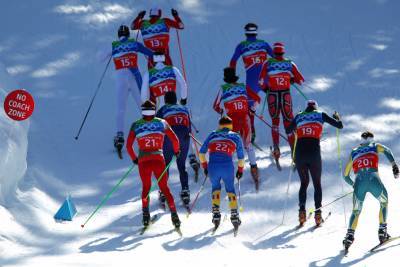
(13,145)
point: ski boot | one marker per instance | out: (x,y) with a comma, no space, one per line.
(185,196)
(175,219)
(348,239)
(318,218)
(255,175)
(119,143)
(276,153)
(161,199)
(302,217)
(146,217)
(382,233)
(235,219)
(195,166)
(216,218)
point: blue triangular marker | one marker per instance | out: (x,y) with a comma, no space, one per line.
(67,211)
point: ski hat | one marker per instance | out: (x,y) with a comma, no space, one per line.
(225,122)
(158,57)
(367,137)
(279,48)
(250,28)
(123,30)
(230,75)
(312,104)
(170,98)
(148,108)
(155,12)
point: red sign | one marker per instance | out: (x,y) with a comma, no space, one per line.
(19,105)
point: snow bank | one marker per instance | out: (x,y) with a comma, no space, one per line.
(13,145)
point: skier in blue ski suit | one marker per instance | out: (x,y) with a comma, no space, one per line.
(254,53)
(178,118)
(222,144)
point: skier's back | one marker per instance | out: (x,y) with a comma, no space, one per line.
(178,118)
(155,31)
(364,161)
(308,126)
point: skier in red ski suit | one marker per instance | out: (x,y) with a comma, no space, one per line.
(275,78)
(155,31)
(150,132)
(233,101)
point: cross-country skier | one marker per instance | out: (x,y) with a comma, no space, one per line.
(222,144)
(161,79)
(128,79)
(150,132)
(364,161)
(155,31)
(308,126)
(178,118)
(254,53)
(232,100)
(276,76)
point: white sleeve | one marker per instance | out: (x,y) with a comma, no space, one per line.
(144,91)
(182,83)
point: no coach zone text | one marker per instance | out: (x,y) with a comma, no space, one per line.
(19,105)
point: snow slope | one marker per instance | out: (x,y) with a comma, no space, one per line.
(13,149)
(348,52)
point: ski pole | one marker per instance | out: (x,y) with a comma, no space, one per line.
(195,139)
(270,126)
(240,199)
(94,96)
(333,201)
(263,107)
(298,89)
(287,193)
(341,171)
(194,127)
(108,195)
(161,176)
(181,55)
(197,196)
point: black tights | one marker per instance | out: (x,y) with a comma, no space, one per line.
(304,170)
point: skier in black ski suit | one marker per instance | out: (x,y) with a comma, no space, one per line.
(308,126)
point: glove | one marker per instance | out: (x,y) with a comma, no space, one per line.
(141,14)
(177,154)
(253,137)
(395,170)
(174,12)
(252,110)
(205,171)
(183,101)
(239,174)
(336,116)
(135,161)
(292,80)
(205,167)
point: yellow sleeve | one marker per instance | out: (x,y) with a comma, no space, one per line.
(202,157)
(241,163)
(348,168)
